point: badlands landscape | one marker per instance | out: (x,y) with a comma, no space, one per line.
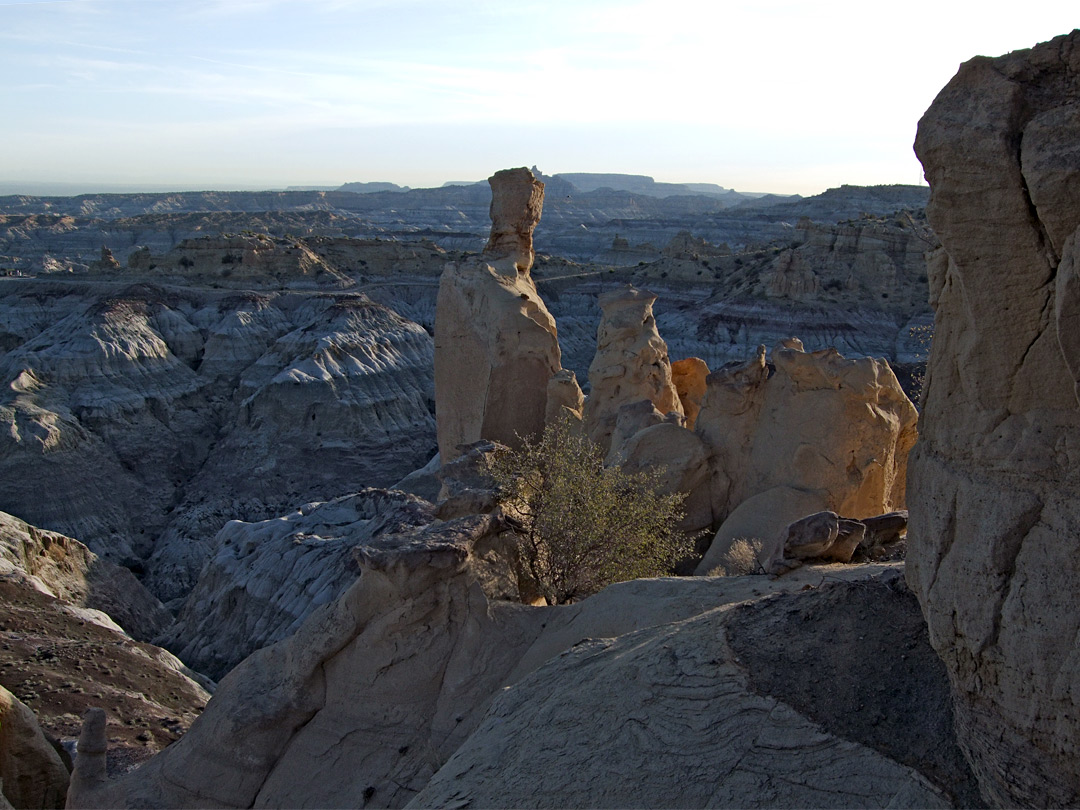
(250,555)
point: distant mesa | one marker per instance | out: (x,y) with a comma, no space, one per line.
(371,188)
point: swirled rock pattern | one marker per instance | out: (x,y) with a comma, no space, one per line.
(994,487)
(413,688)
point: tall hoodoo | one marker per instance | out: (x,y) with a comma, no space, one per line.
(994,484)
(631,363)
(495,341)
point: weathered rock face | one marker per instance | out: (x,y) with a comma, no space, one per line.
(265,578)
(631,363)
(564,398)
(994,485)
(821,433)
(688,376)
(31,770)
(496,346)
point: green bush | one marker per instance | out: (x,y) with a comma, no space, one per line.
(583,525)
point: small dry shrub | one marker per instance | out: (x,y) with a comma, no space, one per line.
(584,525)
(742,558)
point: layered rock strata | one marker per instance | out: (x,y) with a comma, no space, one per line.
(496,346)
(994,483)
(157,413)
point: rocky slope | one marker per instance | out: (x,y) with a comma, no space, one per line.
(157,413)
(60,653)
(995,485)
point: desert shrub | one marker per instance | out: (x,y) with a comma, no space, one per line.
(741,558)
(584,525)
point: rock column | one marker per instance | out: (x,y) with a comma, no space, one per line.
(631,363)
(496,347)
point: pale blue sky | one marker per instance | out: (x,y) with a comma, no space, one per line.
(758,96)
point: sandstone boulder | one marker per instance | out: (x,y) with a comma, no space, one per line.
(496,347)
(631,363)
(683,464)
(836,430)
(994,484)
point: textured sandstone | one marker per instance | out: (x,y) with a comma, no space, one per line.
(631,363)
(564,398)
(689,376)
(31,772)
(517,200)
(543,745)
(821,433)
(679,455)
(496,347)
(994,483)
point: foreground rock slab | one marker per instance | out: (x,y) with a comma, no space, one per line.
(31,771)
(381,695)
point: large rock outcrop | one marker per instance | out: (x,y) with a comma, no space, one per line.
(266,578)
(496,346)
(994,481)
(820,433)
(66,569)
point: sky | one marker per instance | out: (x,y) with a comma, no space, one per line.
(764,96)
